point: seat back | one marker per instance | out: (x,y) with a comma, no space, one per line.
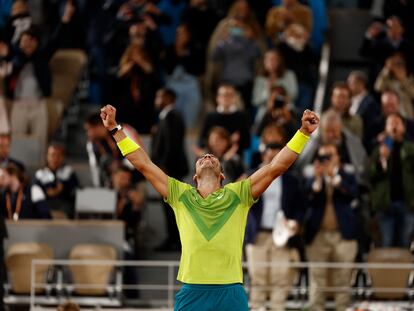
(95,200)
(95,275)
(19,262)
(389,278)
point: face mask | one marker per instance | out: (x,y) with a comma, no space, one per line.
(235,31)
(296,44)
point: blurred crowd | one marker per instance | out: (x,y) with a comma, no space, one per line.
(238,74)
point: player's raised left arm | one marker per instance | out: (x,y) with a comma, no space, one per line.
(263,177)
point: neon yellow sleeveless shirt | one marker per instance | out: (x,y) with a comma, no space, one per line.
(211,231)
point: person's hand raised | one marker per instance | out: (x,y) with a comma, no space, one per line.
(108,114)
(310,122)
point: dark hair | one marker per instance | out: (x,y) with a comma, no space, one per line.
(360,76)
(94,119)
(169,94)
(13,170)
(33,32)
(280,89)
(6,135)
(398,115)
(57,145)
(393,92)
(226,85)
(221,131)
(341,85)
(282,67)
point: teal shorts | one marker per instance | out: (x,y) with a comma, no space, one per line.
(228,297)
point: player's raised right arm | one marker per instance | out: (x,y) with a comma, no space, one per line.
(137,156)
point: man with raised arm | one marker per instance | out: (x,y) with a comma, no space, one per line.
(211,219)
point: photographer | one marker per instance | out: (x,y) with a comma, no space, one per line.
(332,228)
(278,112)
(392,178)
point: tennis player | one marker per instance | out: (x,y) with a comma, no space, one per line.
(211,219)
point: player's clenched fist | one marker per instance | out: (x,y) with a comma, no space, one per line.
(108,114)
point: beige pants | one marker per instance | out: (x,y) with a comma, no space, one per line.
(4,118)
(270,281)
(328,246)
(30,117)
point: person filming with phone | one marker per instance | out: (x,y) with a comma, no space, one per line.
(278,112)
(392,178)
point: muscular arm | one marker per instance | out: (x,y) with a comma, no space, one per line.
(139,157)
(263,177)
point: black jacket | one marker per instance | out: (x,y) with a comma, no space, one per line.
(168,145)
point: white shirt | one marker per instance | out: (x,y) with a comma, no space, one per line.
(271,203)
(165,111)
(356,102)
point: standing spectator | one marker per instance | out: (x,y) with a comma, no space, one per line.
(228,116)
(383,40)
(129,207)
(23,200)
(219,144)
(236,56)
(168,152)
(277,112)
(183,65)
(5,159)
(173,10)
(395,76)
(341,103)
(299,56)
(276,73)
(363,103)
(283,197)
(331,229)
(137,86)
(289,12)
(350,148)
(29,83)
(201,20)
(390,104)
(19,21)
(58,181)
(392,177)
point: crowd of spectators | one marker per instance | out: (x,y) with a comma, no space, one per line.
(239,75)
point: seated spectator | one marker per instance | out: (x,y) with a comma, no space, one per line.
(275,74)
(137,85)
(390,104)
(278,112)
(350,148)
(236,56)
(299,56)
(391,171)
(289,12)
(22,200)
(5,159)
(19,21)
(395,76)
(331,228)
(58,181)
(281,207)
(219,144)
(29,81)
(183,65)
(363,103)
(341,103)
(383,40)
(228,116)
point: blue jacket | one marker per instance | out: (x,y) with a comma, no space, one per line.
(293,206)
(343,196)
